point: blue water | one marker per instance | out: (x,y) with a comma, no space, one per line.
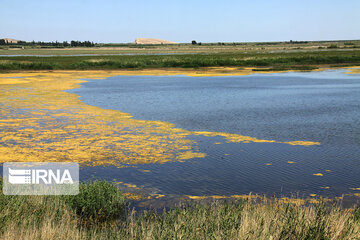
(314,106)
(317,106)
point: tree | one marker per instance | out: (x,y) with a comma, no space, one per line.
(2,42)
(193,42)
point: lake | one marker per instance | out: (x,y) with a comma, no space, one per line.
(319,106)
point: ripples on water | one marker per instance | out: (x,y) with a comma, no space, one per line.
(316,106)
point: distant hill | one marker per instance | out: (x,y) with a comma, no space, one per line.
(11,40)
(152,41)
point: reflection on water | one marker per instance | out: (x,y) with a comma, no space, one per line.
(317,106)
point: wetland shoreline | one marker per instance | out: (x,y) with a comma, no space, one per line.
(239,219)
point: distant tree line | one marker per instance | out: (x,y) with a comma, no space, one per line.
(51,44)
(298,42)
(82,44)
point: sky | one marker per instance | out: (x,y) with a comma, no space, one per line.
(118,21)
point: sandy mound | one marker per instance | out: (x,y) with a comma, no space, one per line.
(151,41)
(11,40)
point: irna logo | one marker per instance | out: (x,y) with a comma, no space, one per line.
(38,176)
(46,178)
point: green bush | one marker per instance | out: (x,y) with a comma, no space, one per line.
(97,201)
(333,46)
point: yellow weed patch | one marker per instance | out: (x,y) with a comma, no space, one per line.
(40,122)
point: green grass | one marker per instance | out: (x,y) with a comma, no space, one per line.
(97,201)
(277,60)
(98,212)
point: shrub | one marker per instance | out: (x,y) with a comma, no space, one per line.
(333,46)
(97,201)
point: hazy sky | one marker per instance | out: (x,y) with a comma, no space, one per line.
(180,21)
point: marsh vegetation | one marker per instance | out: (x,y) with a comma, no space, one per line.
(307,60)
(100,211)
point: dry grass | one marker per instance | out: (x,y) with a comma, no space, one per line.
(241,220)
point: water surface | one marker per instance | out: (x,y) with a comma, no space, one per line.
(316,106)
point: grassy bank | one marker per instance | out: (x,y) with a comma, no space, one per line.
(99,212)
(269,60)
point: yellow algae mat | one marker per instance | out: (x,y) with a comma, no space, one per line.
(39,121)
